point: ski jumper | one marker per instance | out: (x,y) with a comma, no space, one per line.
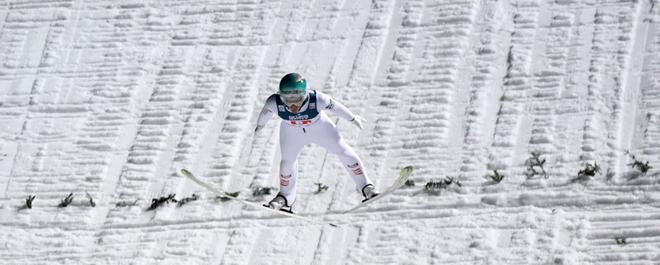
(311,125)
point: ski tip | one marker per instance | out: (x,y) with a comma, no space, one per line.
(185,172)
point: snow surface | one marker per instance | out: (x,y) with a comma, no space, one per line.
(112,98)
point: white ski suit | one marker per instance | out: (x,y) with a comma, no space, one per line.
(311,125)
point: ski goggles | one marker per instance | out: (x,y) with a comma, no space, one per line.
(292,97)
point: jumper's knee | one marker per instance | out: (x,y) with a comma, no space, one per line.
(287,167)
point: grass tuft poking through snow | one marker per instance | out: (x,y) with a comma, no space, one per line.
(158,202)
(28,202)
(643,167)
(496,177)
(589,171)
(66,201)
(534,164)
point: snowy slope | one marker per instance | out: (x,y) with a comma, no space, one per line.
(112,98)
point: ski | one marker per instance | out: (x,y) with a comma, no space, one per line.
(221,193)
(404,174)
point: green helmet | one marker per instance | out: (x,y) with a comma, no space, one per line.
(293,88)
(293,82)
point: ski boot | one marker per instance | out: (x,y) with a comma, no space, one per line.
(279,203)
(369,191)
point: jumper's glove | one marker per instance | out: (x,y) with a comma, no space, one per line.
(357,120)
(258,128)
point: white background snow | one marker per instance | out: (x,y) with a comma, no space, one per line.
(112,98)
